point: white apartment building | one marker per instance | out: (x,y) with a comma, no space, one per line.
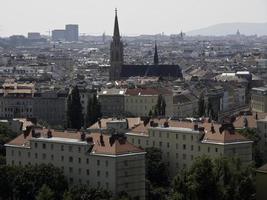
(99,160)
(181,142)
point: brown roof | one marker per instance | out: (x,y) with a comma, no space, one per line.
(224,137)
(148,91)
(119,147)
(252,122)
(134,121)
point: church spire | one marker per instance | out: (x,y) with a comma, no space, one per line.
(116,32)
(156,57)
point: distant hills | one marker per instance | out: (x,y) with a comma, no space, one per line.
(231,28)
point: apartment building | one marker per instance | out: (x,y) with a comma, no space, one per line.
(112,102)
(96,159)
(259,99)
(185,105)
(51,107)
(16,99)
(181,142)
(140,101)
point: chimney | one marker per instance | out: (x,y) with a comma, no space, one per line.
(49,133)
(102,140)
(166,124)
(82,136)
(99,123)
(195,126)
(212,129)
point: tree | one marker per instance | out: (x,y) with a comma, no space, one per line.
(220,179)
(93,111)
(201,105)
(83,192)
(156,174)
(160,108)
(45,193)
(74,109)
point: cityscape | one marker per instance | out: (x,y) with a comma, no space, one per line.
(179,116)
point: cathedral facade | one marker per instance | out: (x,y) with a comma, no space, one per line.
(119,71)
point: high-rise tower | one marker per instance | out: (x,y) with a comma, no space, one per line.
(116,52)
(156,57)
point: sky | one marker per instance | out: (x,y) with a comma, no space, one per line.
(135,16)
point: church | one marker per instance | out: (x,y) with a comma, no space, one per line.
(120,71)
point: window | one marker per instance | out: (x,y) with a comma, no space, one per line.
(159,134)
(62,158)
(106,174)
(44,146)
(98,173)
(139,141)
(79,171)
(52,157)
(184,146)
(177,136)
(147,142)
(62,147)
(87,160)
(70,148)
(168,145)
(184,156)
(79,149)
(36,155)
(168,135)
(216,149)
(44,156)
(19,153)
(12,152)
(71,180)
(208,149)
(79,160)
(87,172)
(29,154)
(177,155)
(36,145)
(133,140)
(184,137)
(192,147)
(70,159)
(177,146)
(153,133)
(160,144)
(192,137)
(70,169)
(198,148)
(98,162)
(52,146)
(106,163)
(126,162)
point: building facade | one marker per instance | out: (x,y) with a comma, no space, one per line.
(259,99)
(98,160)
(182,142)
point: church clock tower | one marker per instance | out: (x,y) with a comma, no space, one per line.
(116,52)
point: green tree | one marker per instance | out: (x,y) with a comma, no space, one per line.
(93,111)
(83,192)
(74,109)
(201,105)
(156,174)
(160,108)
(45,193)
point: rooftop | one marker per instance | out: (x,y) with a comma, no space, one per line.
(118,146)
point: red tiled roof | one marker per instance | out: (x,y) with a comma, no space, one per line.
(119,147)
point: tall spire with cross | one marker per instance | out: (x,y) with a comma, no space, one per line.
(116,33)
(116,52)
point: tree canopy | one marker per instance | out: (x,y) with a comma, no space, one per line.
(74,110)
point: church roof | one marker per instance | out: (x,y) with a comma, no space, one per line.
(172,71)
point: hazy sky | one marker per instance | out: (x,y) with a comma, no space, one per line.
(135,16)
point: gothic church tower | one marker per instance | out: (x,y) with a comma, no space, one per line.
(116,52)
